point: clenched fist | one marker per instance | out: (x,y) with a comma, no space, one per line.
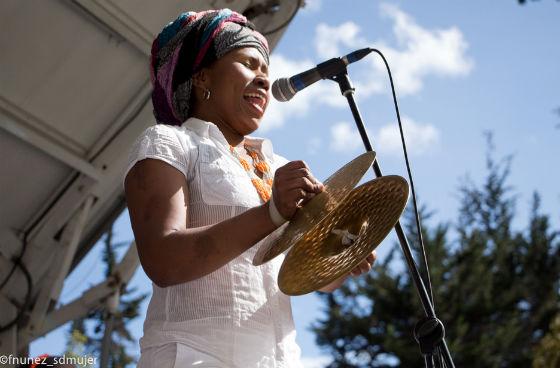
(293,186)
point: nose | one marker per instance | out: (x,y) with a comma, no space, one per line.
(262,81)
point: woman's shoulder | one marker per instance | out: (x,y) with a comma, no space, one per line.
(164,141)
(165,130)
(168,143)
(169,134)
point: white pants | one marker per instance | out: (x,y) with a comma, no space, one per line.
(176,355)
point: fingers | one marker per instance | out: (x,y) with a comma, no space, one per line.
(294,176)
(307,198)
(365,265)
(296,164)
(294,186)
(371,257)
(296,195)
(310,185)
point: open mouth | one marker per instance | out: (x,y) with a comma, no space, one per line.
(257,100)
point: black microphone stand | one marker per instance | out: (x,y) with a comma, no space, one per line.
(428,332)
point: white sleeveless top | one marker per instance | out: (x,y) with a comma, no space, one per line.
(236,313)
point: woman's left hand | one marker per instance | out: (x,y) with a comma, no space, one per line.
(360,269)
(365,265)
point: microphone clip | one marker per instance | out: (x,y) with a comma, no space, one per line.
(330,68)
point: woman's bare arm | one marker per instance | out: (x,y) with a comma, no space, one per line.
(171,253)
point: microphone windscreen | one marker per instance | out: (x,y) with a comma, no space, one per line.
(281,90)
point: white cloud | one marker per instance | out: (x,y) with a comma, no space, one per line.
(422,52)
(312,6)
(339,40)
(316,361)
(419,52)
(313,145)
(328,40)
(345,138)
(419,138)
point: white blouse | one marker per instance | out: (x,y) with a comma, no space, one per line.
(235,314)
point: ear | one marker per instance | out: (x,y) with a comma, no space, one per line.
(201,79)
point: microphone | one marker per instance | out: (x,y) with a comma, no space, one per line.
(284,89)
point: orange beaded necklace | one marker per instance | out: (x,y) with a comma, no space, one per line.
(262,185)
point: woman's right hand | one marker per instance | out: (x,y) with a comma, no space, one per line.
(293,186)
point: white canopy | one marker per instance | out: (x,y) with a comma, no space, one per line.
(74,94)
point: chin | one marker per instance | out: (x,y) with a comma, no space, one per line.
(251,130)
(250,126)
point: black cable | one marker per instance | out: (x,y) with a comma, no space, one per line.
(34,224)
(15,262)
(9,275)
(416,214)
(284,24)
(23,308)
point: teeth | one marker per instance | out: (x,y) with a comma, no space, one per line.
(258,96)
(254,95)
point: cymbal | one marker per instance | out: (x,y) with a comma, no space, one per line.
(345,237)
(337,187)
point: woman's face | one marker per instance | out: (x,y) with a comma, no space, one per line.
(239,91)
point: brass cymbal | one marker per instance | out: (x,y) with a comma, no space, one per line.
(337,187)
(345,237)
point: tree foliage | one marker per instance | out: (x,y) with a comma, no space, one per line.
(547,352)
(496,289)
(83,341)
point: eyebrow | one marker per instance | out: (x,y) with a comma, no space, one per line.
(256,61)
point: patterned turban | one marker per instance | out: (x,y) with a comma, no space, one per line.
(188,44)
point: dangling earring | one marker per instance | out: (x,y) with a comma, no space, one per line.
(206,95)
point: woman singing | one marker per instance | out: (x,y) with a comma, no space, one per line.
(201,193)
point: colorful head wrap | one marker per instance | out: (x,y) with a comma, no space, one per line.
(188,44)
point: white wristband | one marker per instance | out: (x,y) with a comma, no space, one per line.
(275,216)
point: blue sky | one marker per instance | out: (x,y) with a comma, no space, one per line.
(460,68)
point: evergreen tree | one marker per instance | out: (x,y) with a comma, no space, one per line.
(114,325)
(76,344)
(496,289)
(547,352)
